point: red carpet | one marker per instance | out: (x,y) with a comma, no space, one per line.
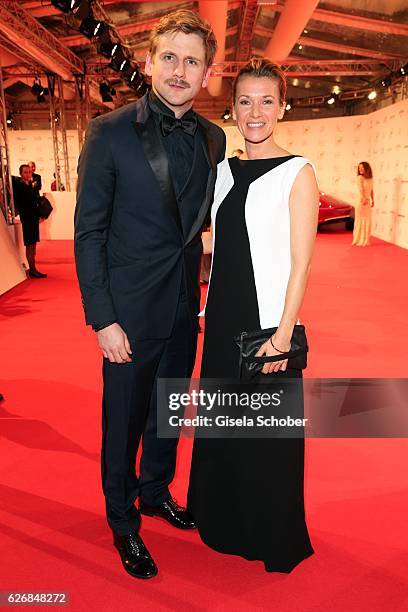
(53,532)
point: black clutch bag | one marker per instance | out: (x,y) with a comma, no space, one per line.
(250,342)
(44,207)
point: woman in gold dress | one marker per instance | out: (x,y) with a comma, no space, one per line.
(362,222)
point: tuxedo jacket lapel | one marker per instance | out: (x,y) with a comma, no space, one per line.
(210,154)
(155,154)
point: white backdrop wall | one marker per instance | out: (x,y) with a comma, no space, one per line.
(337,145)
(36,145)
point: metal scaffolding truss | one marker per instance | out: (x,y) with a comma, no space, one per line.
(6,189)
(248,19)
(59,132)
(295,67)
(20,54)
(17,23)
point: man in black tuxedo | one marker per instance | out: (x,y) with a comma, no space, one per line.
(146,177)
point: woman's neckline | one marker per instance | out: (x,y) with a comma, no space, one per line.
(263,158)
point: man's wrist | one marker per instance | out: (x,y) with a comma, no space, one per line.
(101,326)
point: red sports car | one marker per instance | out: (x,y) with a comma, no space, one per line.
(332,209)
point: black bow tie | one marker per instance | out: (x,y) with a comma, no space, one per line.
(187,124)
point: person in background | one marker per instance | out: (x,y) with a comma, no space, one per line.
(237,153)
(362,221)
(35,178)
(54,186)
(25,198)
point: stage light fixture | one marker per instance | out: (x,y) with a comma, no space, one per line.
(143,88)
(386,82)
(131,74)
(106,91)
(403,70)
(300,47)
(227,114)
(289,105)
(9,119)
(108,48)
(336,89)
(332,99)
(372,95)
(67,6)
(92,28)
(37,89)
(119,60)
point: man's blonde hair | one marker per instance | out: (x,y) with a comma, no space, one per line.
(187,22)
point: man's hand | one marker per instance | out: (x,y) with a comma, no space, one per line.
(114,344)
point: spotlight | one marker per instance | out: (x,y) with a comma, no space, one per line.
(108,49)
(106,91)
(332,100)
(91,27)
(300,47)
(131,74)
(289,105)
(119,60)
(227,114)
(386,82)
(403,70)
(142,89)
(9,119)
(372,95)
(67,6)
(336,89)
(37,89)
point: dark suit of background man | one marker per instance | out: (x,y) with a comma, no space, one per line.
(35,178)
(145,183)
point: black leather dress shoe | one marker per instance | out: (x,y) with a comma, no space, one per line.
(135,557)
(171,512)
(36,274)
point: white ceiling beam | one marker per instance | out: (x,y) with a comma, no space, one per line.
(216,14)
(293,19)
(355,21)
(307,41)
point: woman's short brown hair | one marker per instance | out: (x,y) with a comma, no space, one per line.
(261,67)
(187,22)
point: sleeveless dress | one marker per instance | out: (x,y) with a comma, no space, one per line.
(363,212)
(246,494)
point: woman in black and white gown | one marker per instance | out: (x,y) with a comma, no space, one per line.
(247,494)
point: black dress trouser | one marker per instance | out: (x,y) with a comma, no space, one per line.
(129,413)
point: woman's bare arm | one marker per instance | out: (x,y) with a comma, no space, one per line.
(303,208)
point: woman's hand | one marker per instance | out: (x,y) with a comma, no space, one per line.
(268,350)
